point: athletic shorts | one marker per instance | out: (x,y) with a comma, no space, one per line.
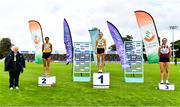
(164,60)
(46,55)
(100,50)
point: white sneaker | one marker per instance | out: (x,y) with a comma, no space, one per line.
(17,88)
(100,71)
(11,88)
(44,75)
(167,82)
(162,82)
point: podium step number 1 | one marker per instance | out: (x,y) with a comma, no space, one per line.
(46,81)
(101,80)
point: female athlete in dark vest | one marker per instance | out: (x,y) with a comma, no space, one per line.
(164,52)
(47,50)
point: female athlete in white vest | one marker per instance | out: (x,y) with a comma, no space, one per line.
(100,49)
(47,50)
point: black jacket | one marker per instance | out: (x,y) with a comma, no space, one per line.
(9,62)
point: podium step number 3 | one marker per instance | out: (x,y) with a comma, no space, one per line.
(101,80)
(46,81)
(166,87)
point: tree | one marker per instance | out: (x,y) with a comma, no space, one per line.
(126,38)
(176,48)
(5,47)
(112,47)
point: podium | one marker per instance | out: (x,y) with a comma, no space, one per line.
(167,87)
(47,81)
(101,80)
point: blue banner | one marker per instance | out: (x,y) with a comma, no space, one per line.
(119,44)
(68,42)
(94,35)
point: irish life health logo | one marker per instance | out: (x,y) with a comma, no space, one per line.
(149,36)
(37,39)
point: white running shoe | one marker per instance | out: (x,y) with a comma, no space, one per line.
(100,71)
(11,88)
(162,82)
(44,75)
(17,88)
(167,82)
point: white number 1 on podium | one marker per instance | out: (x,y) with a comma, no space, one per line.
(101,77)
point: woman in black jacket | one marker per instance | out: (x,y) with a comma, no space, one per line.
(14,63)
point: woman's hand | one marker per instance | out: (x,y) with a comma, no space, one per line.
(95,52)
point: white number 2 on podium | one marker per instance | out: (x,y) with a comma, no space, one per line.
(43,80)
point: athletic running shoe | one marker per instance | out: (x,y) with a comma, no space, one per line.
(100,71)
(44,75)
(11,88)
(167,82)
(162,82)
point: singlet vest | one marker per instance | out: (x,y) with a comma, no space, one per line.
(164,51)
(100,42)
(47,48)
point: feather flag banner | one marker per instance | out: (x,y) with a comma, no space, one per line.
(119,44)
(94,35)
(68,42)
(149,35)
(37,38)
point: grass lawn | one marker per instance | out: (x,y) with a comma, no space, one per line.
(68,93)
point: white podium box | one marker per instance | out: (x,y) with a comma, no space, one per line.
(47,81)
(167,87)
(101,80)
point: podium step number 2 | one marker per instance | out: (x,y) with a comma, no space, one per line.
(46,81)
(101,80)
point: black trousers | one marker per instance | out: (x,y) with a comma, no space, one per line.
(14,78)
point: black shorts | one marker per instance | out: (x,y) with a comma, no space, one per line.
(100,50)
(46,55)
(163,59)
